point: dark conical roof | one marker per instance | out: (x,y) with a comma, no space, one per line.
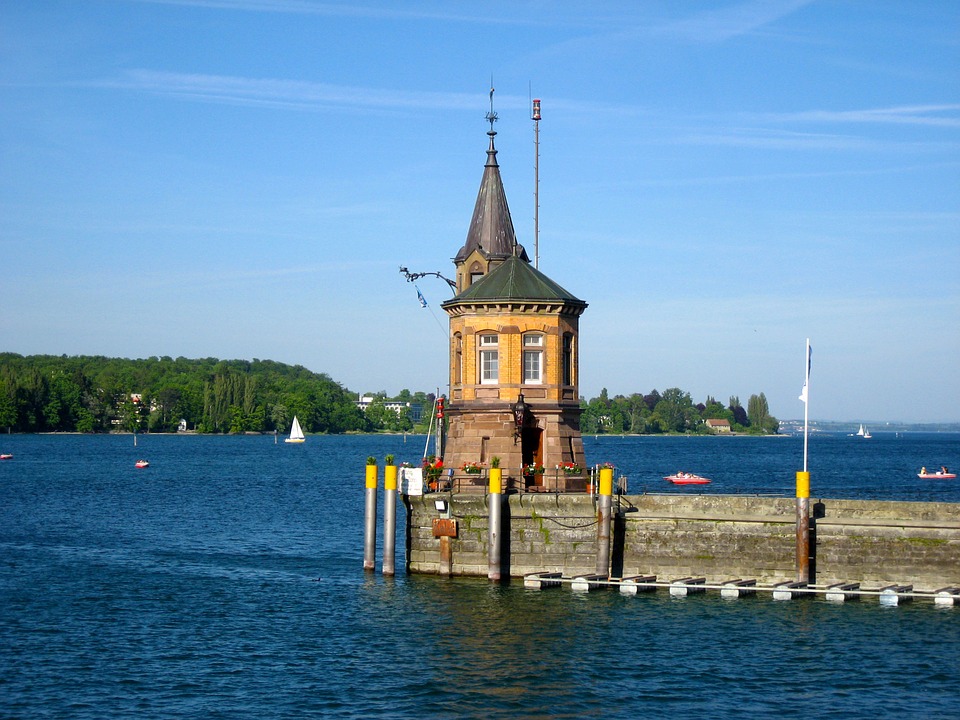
(491,228)
(516,281)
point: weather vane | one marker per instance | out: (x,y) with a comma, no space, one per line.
(491,116)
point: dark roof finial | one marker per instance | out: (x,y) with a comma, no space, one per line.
(491,116)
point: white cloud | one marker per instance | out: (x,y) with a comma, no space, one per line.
(925,115)
(719,25)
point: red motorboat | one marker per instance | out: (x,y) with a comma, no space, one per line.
(685,478)
(141,464)
(6,456)
(938,475)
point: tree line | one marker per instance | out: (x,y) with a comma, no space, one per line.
(44,393)
(673,411)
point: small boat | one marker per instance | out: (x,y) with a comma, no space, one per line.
(941,474)
(6,456)
(866,434)
(141,464)
(685,478)
(296,434)
(861,431)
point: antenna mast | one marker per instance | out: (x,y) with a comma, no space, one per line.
(536,183)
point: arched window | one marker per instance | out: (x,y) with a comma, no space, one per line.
(489,360)
(532,359)
(476,272)
(457,359)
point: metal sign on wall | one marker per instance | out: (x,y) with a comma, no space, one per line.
(444,527)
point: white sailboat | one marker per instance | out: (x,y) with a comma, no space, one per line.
(296,434)
(861,432)
(866,434)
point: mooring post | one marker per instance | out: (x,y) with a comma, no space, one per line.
(446,556)
(604,518)
(493,524)
(370,520)
(803,526)
(389,518)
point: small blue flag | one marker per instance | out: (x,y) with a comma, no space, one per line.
(423,303)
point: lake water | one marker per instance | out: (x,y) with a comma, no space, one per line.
(226,581)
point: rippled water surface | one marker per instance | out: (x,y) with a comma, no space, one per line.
(226,581)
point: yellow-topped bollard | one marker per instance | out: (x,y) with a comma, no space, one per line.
(803,526)
(496,480)
(370,518)
(389,516)
(606,481)
(604,520)
(494,513)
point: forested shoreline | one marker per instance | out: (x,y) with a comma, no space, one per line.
(673,411)
(46,393)
(96,394)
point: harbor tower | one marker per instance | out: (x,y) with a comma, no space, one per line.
(514,358)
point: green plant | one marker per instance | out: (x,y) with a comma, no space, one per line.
(494,462)
(388,460)
(371,460)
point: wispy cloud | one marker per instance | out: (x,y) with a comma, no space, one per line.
(384,11)
(775,140)
(946,115)
(645,27)
(298,7)
(284,94)
(732,21)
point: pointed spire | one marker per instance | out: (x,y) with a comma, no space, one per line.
(491,228)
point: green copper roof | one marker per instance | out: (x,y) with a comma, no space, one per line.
(515,280)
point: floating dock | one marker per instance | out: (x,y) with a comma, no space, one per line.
(891,595)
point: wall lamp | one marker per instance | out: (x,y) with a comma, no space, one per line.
(519,409)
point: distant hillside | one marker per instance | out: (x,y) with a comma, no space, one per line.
(46,393)
(852,427)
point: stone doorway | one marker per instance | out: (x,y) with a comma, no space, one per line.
(531,454)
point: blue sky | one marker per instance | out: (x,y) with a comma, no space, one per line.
(718,180)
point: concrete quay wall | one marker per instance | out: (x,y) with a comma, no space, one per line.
(718,537)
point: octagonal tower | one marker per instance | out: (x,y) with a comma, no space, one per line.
(514,357)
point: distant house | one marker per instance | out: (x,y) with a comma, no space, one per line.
(718,425)
(413,409)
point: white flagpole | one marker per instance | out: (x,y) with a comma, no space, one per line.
(433,414)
